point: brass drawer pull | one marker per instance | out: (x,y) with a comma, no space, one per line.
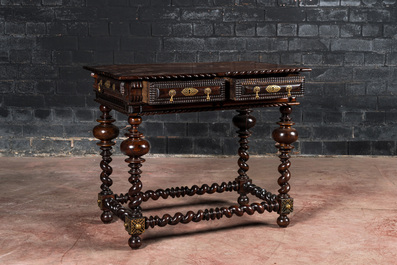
(273,88)
(172,93)
(289,88)
(257,89)
(207,91)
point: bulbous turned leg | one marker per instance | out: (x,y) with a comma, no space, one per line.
(105,131)
(244,121)
(285,135)
(135,146)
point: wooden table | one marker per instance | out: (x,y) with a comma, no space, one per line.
(155,89)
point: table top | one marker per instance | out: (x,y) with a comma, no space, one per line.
(183,70)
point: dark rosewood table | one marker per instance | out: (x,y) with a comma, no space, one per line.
(154,89)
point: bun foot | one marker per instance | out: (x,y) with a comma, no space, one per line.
(283,221)
(134,242)
(106,217)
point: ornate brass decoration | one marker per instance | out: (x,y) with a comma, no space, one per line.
(257,89)
(114,87)
(289,88)
(273,88)
(100,85)
(107,84)
(286,206)
(134,226)
(172,93)
(189,91)
(208,91)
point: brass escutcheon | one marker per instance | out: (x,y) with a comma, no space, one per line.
(172,93)
(273,88)
(107,84)
(207,91)
(189,91)
(257,89)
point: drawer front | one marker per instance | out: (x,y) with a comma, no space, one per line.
(173,92)
(266,88)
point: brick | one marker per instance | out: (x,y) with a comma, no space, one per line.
(359,148)
(389,30)
(308,45)
(144,44)
(335,148)
(62,115)
(80,130)
(175,129)
(84,115)
(365,74)
(290,14)
(202,2)
(224,44)
(100,28)
(76,14)
(307,30)
(210,117)
(153,129)
(291,58)
(182,30)
(207,56)
(62,57)
(52,2)
(329,31)
(378,132)
(383,45)
(245,14)
(332,117)
(333,132)
(387,103)
(351,45)
(328,15)
(183,44)
(207,146)
(202,29)
(57,27)
(58,43)
(371,30)
(20,146)
(64,101)
(287,29)
(224,29)
(8,72)
(45,87)
(202,14)
(350,30)
(228,56)
(15,28)
(376,88)
(5,114)
(334,59)
(119,28)
(220,130)
(33,14)
(198,130)
(311,148)
(33,101)
(375,117)
(140,29)
(35,28)
(369,15)
(10,130)
(245,29)
(260,147)
(161,29)
(24,115)
(43,114)
(7,87)
(353,117)
(77,28)
(100,44)
(374,59)
(32,130)
(147,14)
(312,116)
(329,2)
(267,44)
(391,59)
(83,147)
(312,59)
(25,87)
(18,56)
(266,29)
(330,74)
(180,145)
(158,145)
(383,148)
(350,2)
(352,58)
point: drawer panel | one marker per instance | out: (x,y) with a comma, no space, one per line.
(172,92)
(266,88)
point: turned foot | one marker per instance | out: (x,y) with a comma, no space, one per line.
(106,217)
(283,221)
(134,242)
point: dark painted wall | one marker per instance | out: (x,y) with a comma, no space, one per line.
(46,98)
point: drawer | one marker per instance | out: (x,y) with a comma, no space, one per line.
(266,88)
(173,92)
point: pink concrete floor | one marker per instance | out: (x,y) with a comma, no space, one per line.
(345,213)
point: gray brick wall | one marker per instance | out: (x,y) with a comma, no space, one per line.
(46,98)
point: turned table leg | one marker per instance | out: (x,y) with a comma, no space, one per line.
(134,147)
(105,132)
(285,135)
(244,121)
